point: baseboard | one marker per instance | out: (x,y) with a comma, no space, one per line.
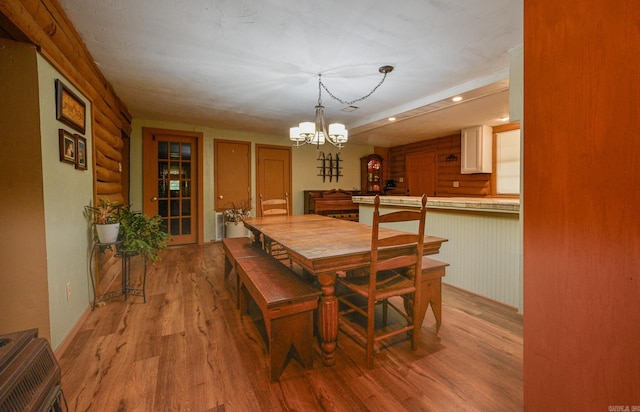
(69,338)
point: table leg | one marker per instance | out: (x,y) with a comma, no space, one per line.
(328,319)
(256,236)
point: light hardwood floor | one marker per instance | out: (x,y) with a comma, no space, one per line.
(188,349)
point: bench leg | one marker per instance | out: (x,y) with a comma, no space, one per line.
(290,336)
(228,266)
(435,298)
(243,298)
(431,295)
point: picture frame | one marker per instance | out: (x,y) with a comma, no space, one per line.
(81,152)
(70,109)
(67,147)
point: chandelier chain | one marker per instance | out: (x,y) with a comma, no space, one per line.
(348,103)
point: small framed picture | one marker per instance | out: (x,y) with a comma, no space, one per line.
(70,109)
(67,147)
(81,152)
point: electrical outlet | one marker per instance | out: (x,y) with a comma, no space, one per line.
(68,290)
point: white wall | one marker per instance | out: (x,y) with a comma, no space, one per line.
(66,191)
(304,166)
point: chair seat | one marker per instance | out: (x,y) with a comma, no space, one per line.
(388,283)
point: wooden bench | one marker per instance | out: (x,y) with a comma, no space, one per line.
(234,249)
(432,273)
(287,304)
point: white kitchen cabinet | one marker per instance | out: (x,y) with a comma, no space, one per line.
(477,146)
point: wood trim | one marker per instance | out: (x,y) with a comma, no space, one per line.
(199,136)
(499,129)
(275,147)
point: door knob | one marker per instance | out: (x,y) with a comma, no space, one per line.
(220,197)
(154,199)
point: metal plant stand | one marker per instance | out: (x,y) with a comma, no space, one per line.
(125,288)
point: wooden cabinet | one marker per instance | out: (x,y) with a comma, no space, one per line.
(477,146)
(335,203)
(371,174)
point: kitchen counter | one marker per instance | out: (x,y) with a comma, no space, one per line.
(481,204)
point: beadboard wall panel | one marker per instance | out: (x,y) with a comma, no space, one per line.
(484,251)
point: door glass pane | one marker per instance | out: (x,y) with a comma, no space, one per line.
(186,170)
(186,226)
(163,150)
(174,227)
(175,151)
(175,207)
(186,207)
(162,188)
(186,151)
(174,187)
(163,170)
(163,208)
(186,188)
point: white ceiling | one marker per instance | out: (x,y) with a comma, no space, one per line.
(253,65)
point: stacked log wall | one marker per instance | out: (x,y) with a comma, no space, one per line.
(449,153)
(45,24)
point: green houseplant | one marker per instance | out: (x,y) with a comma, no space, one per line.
(141,234)
(105,218)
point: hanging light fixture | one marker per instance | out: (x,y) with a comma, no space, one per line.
(317,132)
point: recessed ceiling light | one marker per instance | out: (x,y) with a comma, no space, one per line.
(457,98)
(392,119)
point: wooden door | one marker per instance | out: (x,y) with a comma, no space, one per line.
(273,172)
(421,173)
(171,165)
(232,174)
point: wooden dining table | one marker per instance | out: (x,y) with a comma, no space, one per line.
(323,246)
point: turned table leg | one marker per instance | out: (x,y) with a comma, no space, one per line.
(328,319)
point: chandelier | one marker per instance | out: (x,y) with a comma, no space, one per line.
(317,132)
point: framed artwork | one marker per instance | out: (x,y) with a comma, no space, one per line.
(81,153)
(67,147)
(70,109)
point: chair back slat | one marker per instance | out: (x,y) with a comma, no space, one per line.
(396,262)
(397,240)
(401,216)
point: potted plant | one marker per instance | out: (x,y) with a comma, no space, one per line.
(141,234)
(233,220)
(105,218)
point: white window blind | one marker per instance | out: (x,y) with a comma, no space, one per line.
(508,162)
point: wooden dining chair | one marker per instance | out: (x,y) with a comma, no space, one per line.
(275,207)
(387,276)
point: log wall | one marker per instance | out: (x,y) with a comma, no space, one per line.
(45,24)
(448,151)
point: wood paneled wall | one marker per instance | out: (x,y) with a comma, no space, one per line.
(447,169)
(581,196)
(44,23)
